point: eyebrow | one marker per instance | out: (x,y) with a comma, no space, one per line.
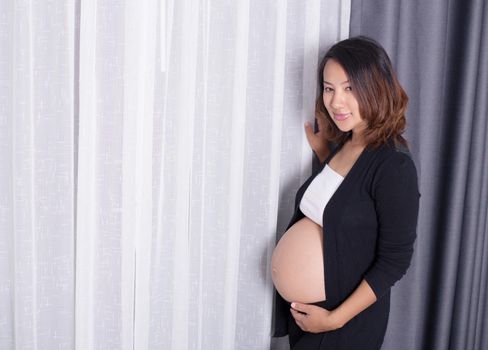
(326,82)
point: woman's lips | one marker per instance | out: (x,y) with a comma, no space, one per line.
(341,117)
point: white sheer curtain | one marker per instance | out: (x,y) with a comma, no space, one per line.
(37,242)
(149,155)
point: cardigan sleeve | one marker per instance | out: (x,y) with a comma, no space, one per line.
(396,198)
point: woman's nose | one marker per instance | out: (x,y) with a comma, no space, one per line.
(337,100)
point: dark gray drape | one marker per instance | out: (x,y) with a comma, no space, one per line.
(440,51)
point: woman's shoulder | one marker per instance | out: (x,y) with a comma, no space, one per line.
(394,163)
(393,153)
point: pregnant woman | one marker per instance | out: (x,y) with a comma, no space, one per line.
(352,233)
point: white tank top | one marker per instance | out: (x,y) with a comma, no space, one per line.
(319,193)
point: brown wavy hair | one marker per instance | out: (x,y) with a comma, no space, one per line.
(381,99)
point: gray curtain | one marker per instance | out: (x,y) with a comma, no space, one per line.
(440,50)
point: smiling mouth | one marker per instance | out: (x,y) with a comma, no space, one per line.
(341,117)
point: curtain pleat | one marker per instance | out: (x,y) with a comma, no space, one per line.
(86,205)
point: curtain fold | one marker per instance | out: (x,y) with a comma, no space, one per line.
(440,52)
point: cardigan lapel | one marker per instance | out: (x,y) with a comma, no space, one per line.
(331,218)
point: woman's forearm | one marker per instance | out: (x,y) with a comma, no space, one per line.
(358,301)
(322,156)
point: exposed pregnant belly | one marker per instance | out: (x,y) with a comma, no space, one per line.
(297,263)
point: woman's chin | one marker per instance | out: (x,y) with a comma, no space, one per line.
(343,128)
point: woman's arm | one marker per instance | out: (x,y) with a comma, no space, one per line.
(396,196)
(317,140)
(358,301)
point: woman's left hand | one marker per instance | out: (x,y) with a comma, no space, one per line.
(314,319)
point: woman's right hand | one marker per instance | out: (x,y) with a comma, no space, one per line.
(317,140)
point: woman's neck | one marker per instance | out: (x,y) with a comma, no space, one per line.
(357,139)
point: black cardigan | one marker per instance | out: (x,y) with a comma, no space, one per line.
(369,228)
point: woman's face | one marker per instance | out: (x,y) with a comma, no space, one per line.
(339,99)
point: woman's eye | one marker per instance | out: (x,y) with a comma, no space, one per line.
(328,89)
(348,88)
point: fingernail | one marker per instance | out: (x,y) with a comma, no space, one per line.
(292,305)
